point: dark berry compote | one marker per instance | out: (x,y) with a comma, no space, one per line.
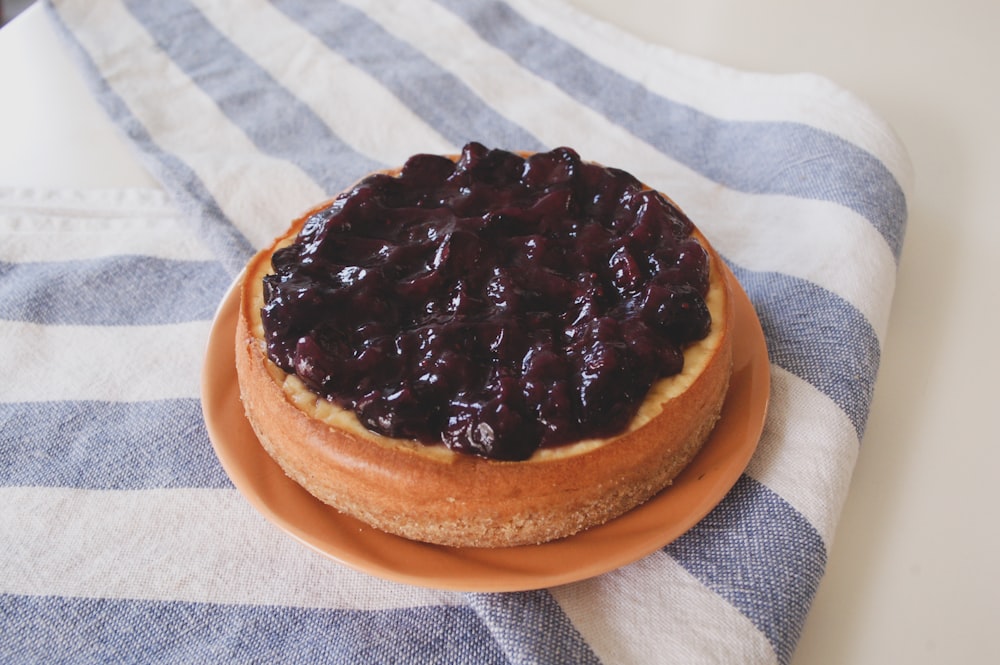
(496,303)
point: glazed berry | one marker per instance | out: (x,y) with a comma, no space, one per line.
(496,303)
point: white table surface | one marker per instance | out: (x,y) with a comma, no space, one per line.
(912,576)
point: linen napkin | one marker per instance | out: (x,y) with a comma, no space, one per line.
(122,538)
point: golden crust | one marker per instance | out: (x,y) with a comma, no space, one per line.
(432,494)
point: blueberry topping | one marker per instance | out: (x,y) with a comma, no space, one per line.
(495,303)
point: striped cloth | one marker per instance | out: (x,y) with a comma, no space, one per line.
(122,539)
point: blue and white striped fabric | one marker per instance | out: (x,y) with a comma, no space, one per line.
(121,538)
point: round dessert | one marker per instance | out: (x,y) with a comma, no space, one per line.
(485,350)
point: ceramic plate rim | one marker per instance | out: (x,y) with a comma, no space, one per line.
(624,540)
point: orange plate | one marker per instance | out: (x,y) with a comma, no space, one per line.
(621,541)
